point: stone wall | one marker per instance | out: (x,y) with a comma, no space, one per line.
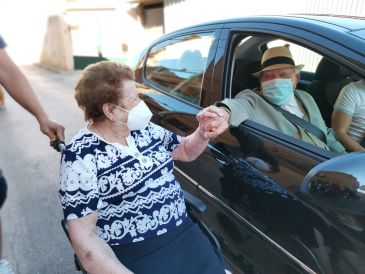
(57,47)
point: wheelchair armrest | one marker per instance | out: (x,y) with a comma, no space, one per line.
(194,202)
(198,205)
(65,228)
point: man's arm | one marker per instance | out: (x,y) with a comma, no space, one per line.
(95,255)
(230,112)
(341,123)
(241,107)
(19,88)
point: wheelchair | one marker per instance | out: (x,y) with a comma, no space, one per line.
(195,207)
(192,204)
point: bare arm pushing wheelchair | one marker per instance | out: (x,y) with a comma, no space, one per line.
(17,85)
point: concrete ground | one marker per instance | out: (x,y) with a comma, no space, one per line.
(33,239)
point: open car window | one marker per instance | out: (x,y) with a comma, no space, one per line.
(321,80)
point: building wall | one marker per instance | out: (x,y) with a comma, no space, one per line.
(188,12)
(98,27)
(124,28)
(181,13)
(343,7)
(115,28)
(23,26)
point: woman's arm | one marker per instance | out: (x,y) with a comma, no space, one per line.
(210,120)
(341,123)
(191,146)
(95,255)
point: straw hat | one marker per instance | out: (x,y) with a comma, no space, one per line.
(275,58)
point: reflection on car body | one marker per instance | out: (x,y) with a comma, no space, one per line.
(275,203)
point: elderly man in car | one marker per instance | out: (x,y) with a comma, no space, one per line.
(277,103)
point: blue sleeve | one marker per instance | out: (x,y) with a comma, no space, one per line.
(2,43)
(169,139)
(78,191)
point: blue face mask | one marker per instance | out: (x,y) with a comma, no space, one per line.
(277,91)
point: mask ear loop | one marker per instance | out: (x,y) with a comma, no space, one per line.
(116,120)
(121,108)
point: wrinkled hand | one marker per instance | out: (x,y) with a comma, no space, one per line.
(53,130)
(212,121)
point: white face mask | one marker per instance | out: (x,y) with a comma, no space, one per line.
(138,117)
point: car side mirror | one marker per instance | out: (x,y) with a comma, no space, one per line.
(337,186)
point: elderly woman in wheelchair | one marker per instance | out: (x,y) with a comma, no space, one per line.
(124,208)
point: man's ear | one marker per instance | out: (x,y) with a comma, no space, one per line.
(296,79)
(259,88)
(108,110)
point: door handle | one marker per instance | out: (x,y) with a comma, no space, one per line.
(222,162)
(219,156)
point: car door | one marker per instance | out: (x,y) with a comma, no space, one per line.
(250,178)
(241,181)
(176,69)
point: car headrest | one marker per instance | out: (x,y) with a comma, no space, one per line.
(191,61)
(244,70)
(344,73)
(327,70)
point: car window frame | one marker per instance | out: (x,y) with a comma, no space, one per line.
(305,149)
(234,35)
(215,31)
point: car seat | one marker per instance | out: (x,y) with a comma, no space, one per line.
(242,75)
(329,79)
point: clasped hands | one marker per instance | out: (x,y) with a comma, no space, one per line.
(212,121)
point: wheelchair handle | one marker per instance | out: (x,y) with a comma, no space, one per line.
(59,145)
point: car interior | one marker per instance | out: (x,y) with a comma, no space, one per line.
(329,79)
(321,78)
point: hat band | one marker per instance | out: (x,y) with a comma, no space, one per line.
(277,60)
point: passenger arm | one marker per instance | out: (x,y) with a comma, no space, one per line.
(240,108)
(95,255)
(341,123)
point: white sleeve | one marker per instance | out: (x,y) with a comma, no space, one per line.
(348,100)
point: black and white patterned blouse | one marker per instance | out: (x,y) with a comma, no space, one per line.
(132,188)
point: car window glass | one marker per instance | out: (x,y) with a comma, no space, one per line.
(177,66)
(300,54)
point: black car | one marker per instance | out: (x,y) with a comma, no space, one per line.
(275,203)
